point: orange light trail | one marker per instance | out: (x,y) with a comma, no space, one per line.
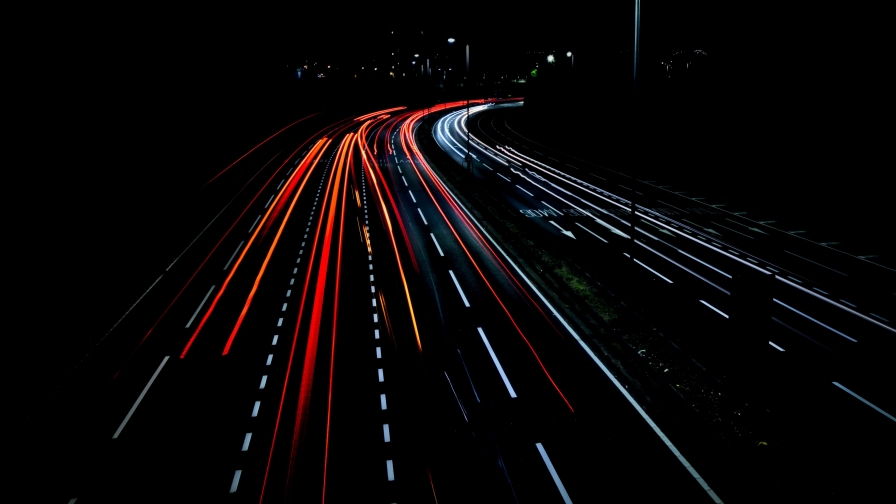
(379,112)
(292,352)
(304,165)
(317,309)
(367,164)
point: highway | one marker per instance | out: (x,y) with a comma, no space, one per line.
(804,327)
(345,325)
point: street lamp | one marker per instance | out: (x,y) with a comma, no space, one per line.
(468,160)
(572,63)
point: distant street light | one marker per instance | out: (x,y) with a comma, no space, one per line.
(572,57)
(450,40)
(550,58)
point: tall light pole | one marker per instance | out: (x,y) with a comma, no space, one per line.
(572,63)
(635,122)
(468,159)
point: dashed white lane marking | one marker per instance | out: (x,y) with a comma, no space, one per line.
(713,308)
(850,392)
(390,473)
(371,278)
(264,381)
(209,293)
(371,266)
(776,346)
(270,358)
(547,462)
(437,244)
(375,318)
(291,280)
(236,480)
(295,270)
(503,177)
(461,291)
(288,292)
(412,197)
(497,364)
(280,322)
(525,191)
(274,342)
(254,223)
(284,307)
(255,408)
(280,184)
(386,435)
(376,334)
(422,217)
(383,402)
(372,289)
(73,501)
(592,232)
(399,169)
(405,181)
(379,353)
(269,200)
(373,301)
(379,373)
(246,441)
(234,255)
(140,398)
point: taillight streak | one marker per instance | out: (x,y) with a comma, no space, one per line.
(407,134)
(297,173)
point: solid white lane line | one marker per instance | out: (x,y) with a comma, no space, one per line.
(776,346)
(390,474)
(269,200)
(461,291)
(497,364)
(652,271)
(857,396)
(379,353)
(412,196)
(246,441)
(255,408)
(274,342)
(713,308)
(547,462)
(236,480)
(379,373)
(386,436)
(437,244)
(592,232)
(139,398)
(621,388)
(238,247)
(254,223)
(209,293)
(421,216)
(383,402)
(813,320)
(264,381)
(270,358)
(525,191)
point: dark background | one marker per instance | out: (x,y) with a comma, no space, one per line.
(117,118)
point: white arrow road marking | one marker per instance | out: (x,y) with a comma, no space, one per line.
(567,233)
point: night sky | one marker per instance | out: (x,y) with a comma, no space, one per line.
(118,116)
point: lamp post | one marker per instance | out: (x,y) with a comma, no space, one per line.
(572,63)
(468,159)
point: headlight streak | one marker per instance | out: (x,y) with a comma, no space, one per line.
(406,139)
(369,163)
(257,146)
(298,173)
(600,364)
